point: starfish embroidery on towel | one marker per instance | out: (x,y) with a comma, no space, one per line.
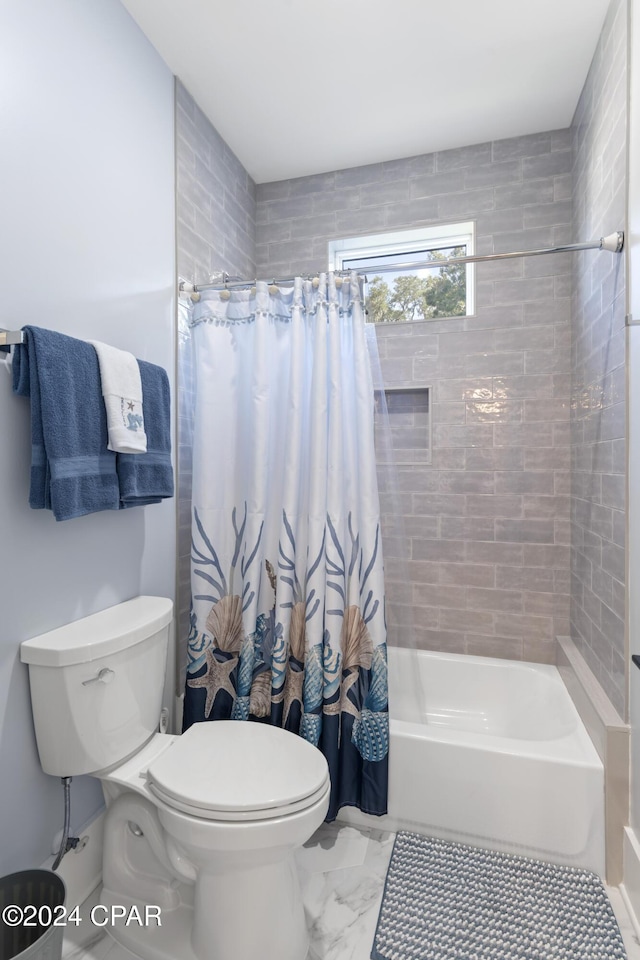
(217,677)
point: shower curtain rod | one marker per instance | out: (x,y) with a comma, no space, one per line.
(614,243)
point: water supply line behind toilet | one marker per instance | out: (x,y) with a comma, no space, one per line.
(66,843)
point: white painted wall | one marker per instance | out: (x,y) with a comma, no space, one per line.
(86,248)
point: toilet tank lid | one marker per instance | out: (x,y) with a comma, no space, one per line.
(99,635)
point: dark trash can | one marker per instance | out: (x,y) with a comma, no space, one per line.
(35,894)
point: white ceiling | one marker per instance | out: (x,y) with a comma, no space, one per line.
(303,86)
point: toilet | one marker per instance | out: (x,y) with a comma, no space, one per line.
(202,826)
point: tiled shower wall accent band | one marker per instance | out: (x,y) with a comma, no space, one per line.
(215,231)
(485,565)
(598,418)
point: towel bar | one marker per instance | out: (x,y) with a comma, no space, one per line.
(9,338)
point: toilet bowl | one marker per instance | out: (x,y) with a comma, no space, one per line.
(202,826)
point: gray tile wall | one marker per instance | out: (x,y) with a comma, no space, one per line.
(485,564)
(216,213)
(598,421)
(216,199)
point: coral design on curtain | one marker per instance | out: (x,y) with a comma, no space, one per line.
(287,621)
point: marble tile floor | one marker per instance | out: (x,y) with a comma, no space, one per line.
(342,872)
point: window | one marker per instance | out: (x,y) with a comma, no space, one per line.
(396,291)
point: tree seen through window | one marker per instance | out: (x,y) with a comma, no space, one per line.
(393,297)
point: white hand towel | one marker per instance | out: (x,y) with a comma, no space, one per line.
(122,392)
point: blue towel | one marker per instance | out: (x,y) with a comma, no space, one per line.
(72,472)
(148,477)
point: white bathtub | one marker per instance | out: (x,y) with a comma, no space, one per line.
(494,754)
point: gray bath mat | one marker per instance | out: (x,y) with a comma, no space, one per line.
(449,901)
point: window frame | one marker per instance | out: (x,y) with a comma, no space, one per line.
(399,242)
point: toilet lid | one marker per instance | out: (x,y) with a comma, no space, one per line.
(238,770)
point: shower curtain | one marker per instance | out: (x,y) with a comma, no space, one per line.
(287,619)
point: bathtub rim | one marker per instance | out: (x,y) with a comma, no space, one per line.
(551,748)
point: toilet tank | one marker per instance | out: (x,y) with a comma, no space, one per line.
(96,685)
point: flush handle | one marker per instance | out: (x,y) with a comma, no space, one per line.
(104,676)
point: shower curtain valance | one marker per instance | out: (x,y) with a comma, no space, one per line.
(278,301)
(287,621)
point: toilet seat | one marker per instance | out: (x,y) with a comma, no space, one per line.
(227,816)
(230,770)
